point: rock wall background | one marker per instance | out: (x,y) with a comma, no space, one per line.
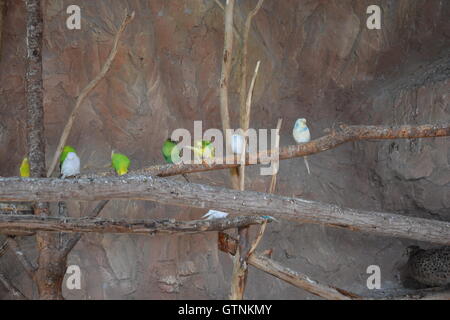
(319,61)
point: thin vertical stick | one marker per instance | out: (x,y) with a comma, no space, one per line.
(245,123)
(273,182)
(224,82)
(240,268)
(243,91)
(236,32)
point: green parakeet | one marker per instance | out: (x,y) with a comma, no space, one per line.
(120,163)
(204,150)
(25,168)
(65,152)
(170,151)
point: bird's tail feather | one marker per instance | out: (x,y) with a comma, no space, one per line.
(307,165)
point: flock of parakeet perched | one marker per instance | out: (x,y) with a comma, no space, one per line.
(69,162)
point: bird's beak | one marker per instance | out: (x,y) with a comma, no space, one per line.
(122,172)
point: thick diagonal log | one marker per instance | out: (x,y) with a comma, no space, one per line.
(171,192)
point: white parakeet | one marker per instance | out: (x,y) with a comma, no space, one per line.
(71,165)
(214,214)
(237,143)
(302,135)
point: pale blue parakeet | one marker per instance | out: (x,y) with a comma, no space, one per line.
(302,135)
(71,165)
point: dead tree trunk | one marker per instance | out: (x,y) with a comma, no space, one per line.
(51,269)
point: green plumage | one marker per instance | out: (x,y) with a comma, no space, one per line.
(204,149)
(25,168)
(170,151)
(65,152)
(120,163)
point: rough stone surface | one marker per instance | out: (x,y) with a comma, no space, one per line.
(429,267)
(318,61)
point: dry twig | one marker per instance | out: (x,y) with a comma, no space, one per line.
(84,93)
(27,265)
(273,181)
(11,288)
(229,245)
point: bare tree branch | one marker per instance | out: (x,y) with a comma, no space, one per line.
(146,227)
(84,93)
(229,245)
(16,207)
(327,142)
(245,123)
(238,202)
(11,288)
(72,242)
(298,279)
(225,81)
(15,247)
(240,270)
(243,91)
(235,30)
(258,238)
(273,181)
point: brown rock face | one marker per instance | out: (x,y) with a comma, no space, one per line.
(318,61)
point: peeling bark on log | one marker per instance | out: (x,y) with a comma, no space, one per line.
(34,90)
(237,202)
(145,227)
(51,270)
(15,208)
